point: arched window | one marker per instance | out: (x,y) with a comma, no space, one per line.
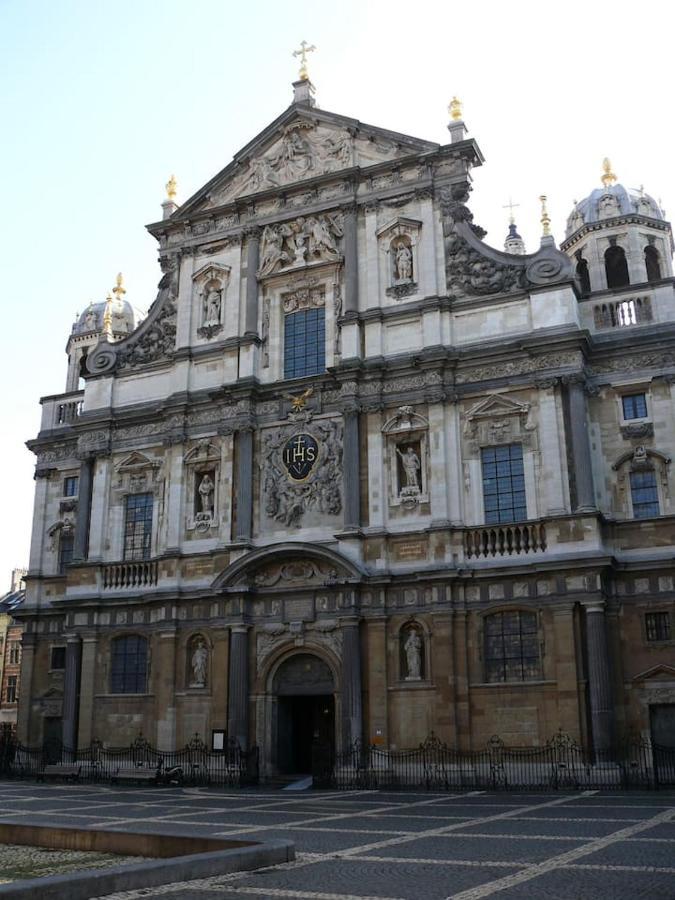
(511,646)
(616,267)
(583,276)
(129,665)
(653,263)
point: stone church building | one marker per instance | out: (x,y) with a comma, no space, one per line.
(359,475)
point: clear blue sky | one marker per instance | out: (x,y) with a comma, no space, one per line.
(102,101)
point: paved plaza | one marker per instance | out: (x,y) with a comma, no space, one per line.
(368,844)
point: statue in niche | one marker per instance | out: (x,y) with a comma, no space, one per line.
(206,490)
(199,663)
(212,304)
(412,647)
(410,462)
(403,263)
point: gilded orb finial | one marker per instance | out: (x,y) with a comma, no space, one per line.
(171,189)
(455,109)
(119,290)
(305,48)
(545,218)
(608,177)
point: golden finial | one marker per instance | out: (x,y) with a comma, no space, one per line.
(608,177)
(171,189)
(107,317)
(545,218)
(455,109)
(119,290)
(305,48)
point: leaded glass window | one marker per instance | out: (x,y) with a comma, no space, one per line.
(503,484)
(644,494)
(129,665)
(657,626)
(66,544)
(71,486)
(512,647)
(305,343)
(138,526)
(634,406)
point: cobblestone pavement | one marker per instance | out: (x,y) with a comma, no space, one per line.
(361,845)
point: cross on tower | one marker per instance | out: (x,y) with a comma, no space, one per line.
(305,48)
(511,206)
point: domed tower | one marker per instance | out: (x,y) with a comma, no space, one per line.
(618,237)
(112,316)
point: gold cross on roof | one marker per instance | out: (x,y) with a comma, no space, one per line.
(305,48)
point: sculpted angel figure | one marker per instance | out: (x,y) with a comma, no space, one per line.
(321,241)
(411,466)
(273,248)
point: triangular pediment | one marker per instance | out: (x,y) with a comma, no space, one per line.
(135,461)
(497,405)
(661,672)
(300,145)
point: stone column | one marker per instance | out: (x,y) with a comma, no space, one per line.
(351,481)
(351,683)
(237,713)
(244,483)
(599,679)
(81,542)
(85,723)
(252,262)
(24,732)
(71,691)
(351,262)
(581,448)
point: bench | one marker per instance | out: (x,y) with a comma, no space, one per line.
(140,774)
(70,773)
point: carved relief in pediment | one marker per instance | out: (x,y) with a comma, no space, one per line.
(137,474)
(498,419)
(301,242)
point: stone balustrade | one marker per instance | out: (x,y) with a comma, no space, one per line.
(505,540)
(61,410)
(117,576)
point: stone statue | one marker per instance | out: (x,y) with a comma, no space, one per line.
(206,489)
(608,206)
(411,466)
(90,320)
(413,655)
(212,307)
(403,263)
(199,661)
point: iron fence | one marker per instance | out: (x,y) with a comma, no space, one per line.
(193,765)
(561,763)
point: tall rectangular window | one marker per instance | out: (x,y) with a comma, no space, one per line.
(634,406)
(511,647)
(71,486)
(138,526)
(644,494)
(657,626)
(11,688)
(14,654)
(503,484)
(305,343)
(129,665)
(66,543)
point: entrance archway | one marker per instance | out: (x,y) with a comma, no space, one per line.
(304,689)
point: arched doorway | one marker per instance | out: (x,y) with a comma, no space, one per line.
(304,689)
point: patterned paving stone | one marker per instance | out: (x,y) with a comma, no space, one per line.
(571,884)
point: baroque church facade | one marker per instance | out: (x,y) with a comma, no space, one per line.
(358,475)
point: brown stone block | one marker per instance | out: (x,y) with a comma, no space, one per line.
(410,549)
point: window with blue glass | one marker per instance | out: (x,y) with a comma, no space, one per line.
(644,494)
(66,544)
(503,484)
(71,486)
(138,526)
(129,665)
(634,406)
(305,343)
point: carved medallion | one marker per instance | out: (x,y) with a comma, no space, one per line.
(299,456)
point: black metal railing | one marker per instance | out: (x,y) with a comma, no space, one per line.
(560,763)
(194,764)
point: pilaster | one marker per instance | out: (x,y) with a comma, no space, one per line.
(599,679)
(71,690)
(352,714)
(237,716)
(85,729)
(81,542)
